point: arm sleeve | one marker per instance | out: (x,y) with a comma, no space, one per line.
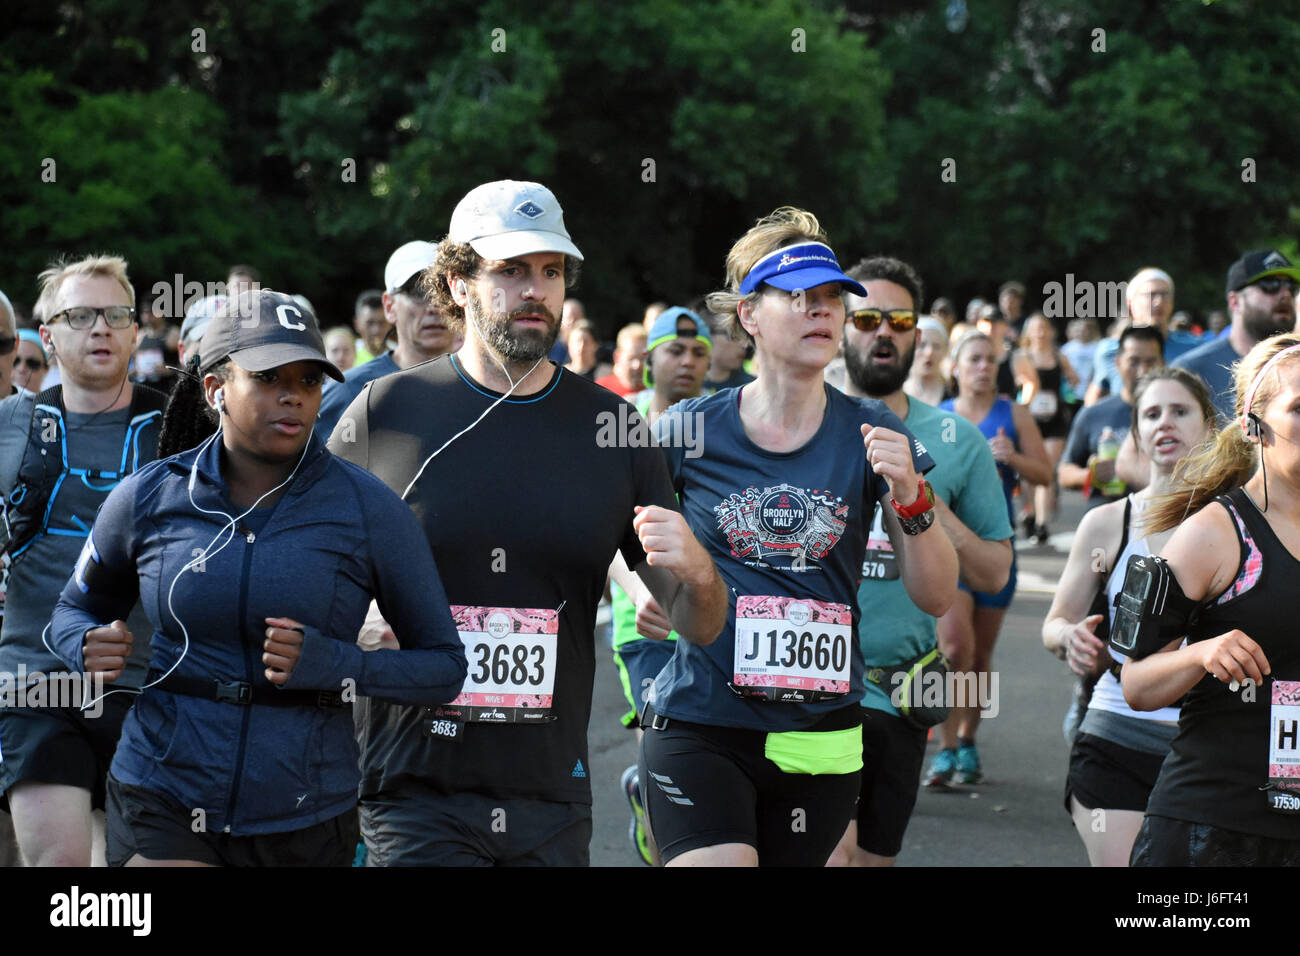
(431,667)
(104,585)
(350,438)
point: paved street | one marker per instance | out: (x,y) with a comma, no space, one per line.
(1014,817)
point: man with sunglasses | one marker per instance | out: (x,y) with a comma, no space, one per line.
(1261,291)
(421,332)
(880,342)
(61,452)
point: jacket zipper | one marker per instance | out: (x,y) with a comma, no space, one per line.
(233,795)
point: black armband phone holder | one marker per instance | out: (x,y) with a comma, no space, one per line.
(1151,609)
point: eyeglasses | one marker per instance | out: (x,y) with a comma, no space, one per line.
(33,364)
(868,320)
(1272,285)
(83,317)
(7,345)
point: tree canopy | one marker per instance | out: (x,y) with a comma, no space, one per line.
(311,137)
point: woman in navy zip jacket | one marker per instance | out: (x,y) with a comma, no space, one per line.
(256,556)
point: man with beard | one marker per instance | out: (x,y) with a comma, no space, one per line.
(422,333)
(879,345)
(1261,300)
(528,480)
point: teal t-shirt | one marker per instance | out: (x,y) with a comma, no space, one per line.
(892,630)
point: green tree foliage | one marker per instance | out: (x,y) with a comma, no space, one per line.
(201,132)
(580,97)
(1070,159)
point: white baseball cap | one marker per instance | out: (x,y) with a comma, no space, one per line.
(406,261)
(506,219)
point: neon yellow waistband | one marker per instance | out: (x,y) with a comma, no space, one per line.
(804,751)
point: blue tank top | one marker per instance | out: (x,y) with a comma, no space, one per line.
(999,416)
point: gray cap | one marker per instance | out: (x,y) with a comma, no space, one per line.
(197,317)
(506,219)
(263,329)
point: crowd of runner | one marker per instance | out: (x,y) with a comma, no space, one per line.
(279,594)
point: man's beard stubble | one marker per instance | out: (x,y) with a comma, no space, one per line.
(873,379)
(1261,324)
(498,332)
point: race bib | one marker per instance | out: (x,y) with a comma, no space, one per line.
(880,563)
(791,649)
(1284,747)
(512,654)
(1043,405)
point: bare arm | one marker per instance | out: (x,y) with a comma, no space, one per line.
(680,575)
(1071,475)
(1031,461)
(1094,393)
(1069,631)
(983,565)
(927,563)
(1204,556)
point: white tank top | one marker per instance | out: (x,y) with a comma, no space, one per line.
(1107,694)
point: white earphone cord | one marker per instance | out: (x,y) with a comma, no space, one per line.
(201,558)
(513,385)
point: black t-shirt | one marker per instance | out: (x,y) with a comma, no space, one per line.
(523,511)
(1217,770)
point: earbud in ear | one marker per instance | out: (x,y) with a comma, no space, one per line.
(1252,426)
(221,400)
(460,287)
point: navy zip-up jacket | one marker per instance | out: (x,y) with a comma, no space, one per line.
(336,537)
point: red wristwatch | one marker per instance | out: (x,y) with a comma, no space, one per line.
(923,503)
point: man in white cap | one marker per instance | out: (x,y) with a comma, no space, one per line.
(422,333)
(527,480)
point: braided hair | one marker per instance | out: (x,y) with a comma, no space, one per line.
(189,419)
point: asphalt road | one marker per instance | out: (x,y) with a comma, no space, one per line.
(1014,817)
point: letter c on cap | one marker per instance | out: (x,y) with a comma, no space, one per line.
(282,313)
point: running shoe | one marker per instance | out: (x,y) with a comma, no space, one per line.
(1040,534)
(631,784)
(942,768)
(968,765)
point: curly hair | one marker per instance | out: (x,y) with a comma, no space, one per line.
(460,259)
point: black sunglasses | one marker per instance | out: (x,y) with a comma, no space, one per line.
(33,364)
(868,320)
(1271,285)
(7,345)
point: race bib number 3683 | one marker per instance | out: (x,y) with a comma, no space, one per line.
(512,654)
(790,649)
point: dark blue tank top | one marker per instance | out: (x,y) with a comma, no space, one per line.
(999,416)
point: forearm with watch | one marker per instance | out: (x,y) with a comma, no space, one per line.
(927,561)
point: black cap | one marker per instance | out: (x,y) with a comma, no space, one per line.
(263,329)
(1257,264)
